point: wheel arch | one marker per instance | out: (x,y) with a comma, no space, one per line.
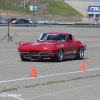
(80,44)
(61,49)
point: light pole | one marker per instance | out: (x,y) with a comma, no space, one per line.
(0,16)
(24,3)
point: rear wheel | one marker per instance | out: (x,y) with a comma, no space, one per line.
(59,56)
(80,53)
(24,59)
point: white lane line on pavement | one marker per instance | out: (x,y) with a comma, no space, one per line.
(54,93)
(16,96)
(21,79)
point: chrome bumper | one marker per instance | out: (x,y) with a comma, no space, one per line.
(37,54)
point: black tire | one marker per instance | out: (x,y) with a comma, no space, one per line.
(24,59)
(80,53)
(59,56)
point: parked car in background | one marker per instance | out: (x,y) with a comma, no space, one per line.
(53,45)
(42,22)
(23,21)
(3,22)
(47,22)
(12,19)
(35,22)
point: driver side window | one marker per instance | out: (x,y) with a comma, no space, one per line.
(69,37)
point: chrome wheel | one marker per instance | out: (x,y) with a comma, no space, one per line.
(80,54)
(60,55)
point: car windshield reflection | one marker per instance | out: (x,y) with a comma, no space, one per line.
(52,37)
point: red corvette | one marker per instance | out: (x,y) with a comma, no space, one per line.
(53,45)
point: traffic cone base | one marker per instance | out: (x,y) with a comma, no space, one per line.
(82,67)
(33,72)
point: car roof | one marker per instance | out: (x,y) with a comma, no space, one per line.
(57,33)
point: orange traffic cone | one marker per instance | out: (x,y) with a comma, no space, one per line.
(33,72)
(20,42)
(23,35)
(15,33)
(95,36)
(82,67)
(90,26)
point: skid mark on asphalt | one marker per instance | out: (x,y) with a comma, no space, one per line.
(21,79)
(59,92)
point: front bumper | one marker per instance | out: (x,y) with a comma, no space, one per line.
(37,55)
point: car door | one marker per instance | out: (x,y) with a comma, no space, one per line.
(66,46)
(71,45)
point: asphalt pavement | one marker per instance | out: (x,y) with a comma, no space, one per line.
(54,80)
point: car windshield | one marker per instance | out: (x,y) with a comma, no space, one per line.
(52,37)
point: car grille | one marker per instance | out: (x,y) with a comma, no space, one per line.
(34,53)
(39,54)
(25,53)
(45,54)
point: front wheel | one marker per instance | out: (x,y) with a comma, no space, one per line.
(80,53)
(59,56)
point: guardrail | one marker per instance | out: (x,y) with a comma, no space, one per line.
(72,25)
(84,26)
(20,25)
(51,25)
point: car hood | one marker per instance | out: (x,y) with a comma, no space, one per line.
(37,46)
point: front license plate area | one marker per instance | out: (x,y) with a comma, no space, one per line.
(27,57)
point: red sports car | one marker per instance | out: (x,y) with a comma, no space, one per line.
(53,45)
